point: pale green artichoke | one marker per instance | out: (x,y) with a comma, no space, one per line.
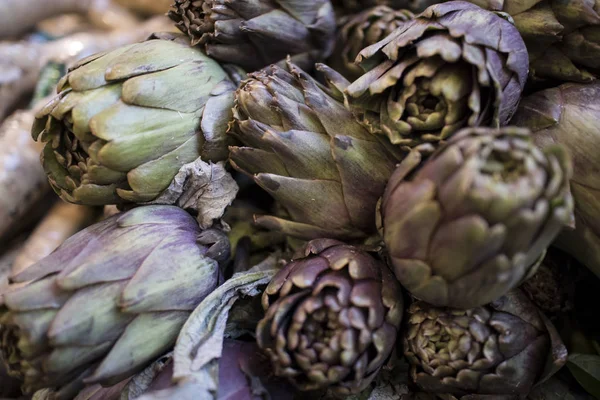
(125,121)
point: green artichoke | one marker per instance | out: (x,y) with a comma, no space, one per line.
(361,30)
(110,300)
(332,318)
(256,33)
(497,351)
(304,148)
(471,222)
(124,122)
(454,65)
(562,36)
(568,115)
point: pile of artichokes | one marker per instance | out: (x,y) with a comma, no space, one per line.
(380,195)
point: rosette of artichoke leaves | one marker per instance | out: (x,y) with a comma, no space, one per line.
(253,34)
(332,318)
(110,299)
(497,351)
(473,221)
(362,30)
(304,148)
(454,65)
(125,121)
(562,36)
(568,115)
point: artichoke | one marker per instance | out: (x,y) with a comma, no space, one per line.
(253,34)
(124,122)
(568,115)
(109,300)
(470,224)
(362,30)
(305,149)
(497,351)
(332,318)
(562,36)
(452,66)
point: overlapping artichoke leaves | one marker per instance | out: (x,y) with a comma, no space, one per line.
(562,36)
(568,115)
(130,279)
(471,223)
(306,150)
(254,34)
(125,121)
(498,351)
(454,65)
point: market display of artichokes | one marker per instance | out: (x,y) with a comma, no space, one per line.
(472,222)
(568,115)
(124,122)
(498,350)
(562,36)
(362,30)
(256,33)
(452,66)
(304,148)
(332,318)
(267,189)
(110,300)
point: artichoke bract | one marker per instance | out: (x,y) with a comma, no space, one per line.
(109,300)
(253,34)
(124,122)
(454,65)
(568,115)
(362,30)
(562,36)
(304,148)
(332,318)
(354,6)
(497,351)
(473,220)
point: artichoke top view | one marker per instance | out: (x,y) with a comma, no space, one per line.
(498,350)
(304,148)
(253,34)
(473,221)
(110,299)
(452,66)
(125,121)
(562,36)
(332,318)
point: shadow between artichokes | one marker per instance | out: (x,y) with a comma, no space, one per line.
(124,122)
(110,299)
(332,318)
(452,66)
(471,222)
(493,352)
(306,150)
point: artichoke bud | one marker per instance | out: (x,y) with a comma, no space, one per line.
(112,298)
(332,318)
(473,221)
(304,148)
(499,350)
(455,65)
(124,122)
(362,30)
(253,34)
